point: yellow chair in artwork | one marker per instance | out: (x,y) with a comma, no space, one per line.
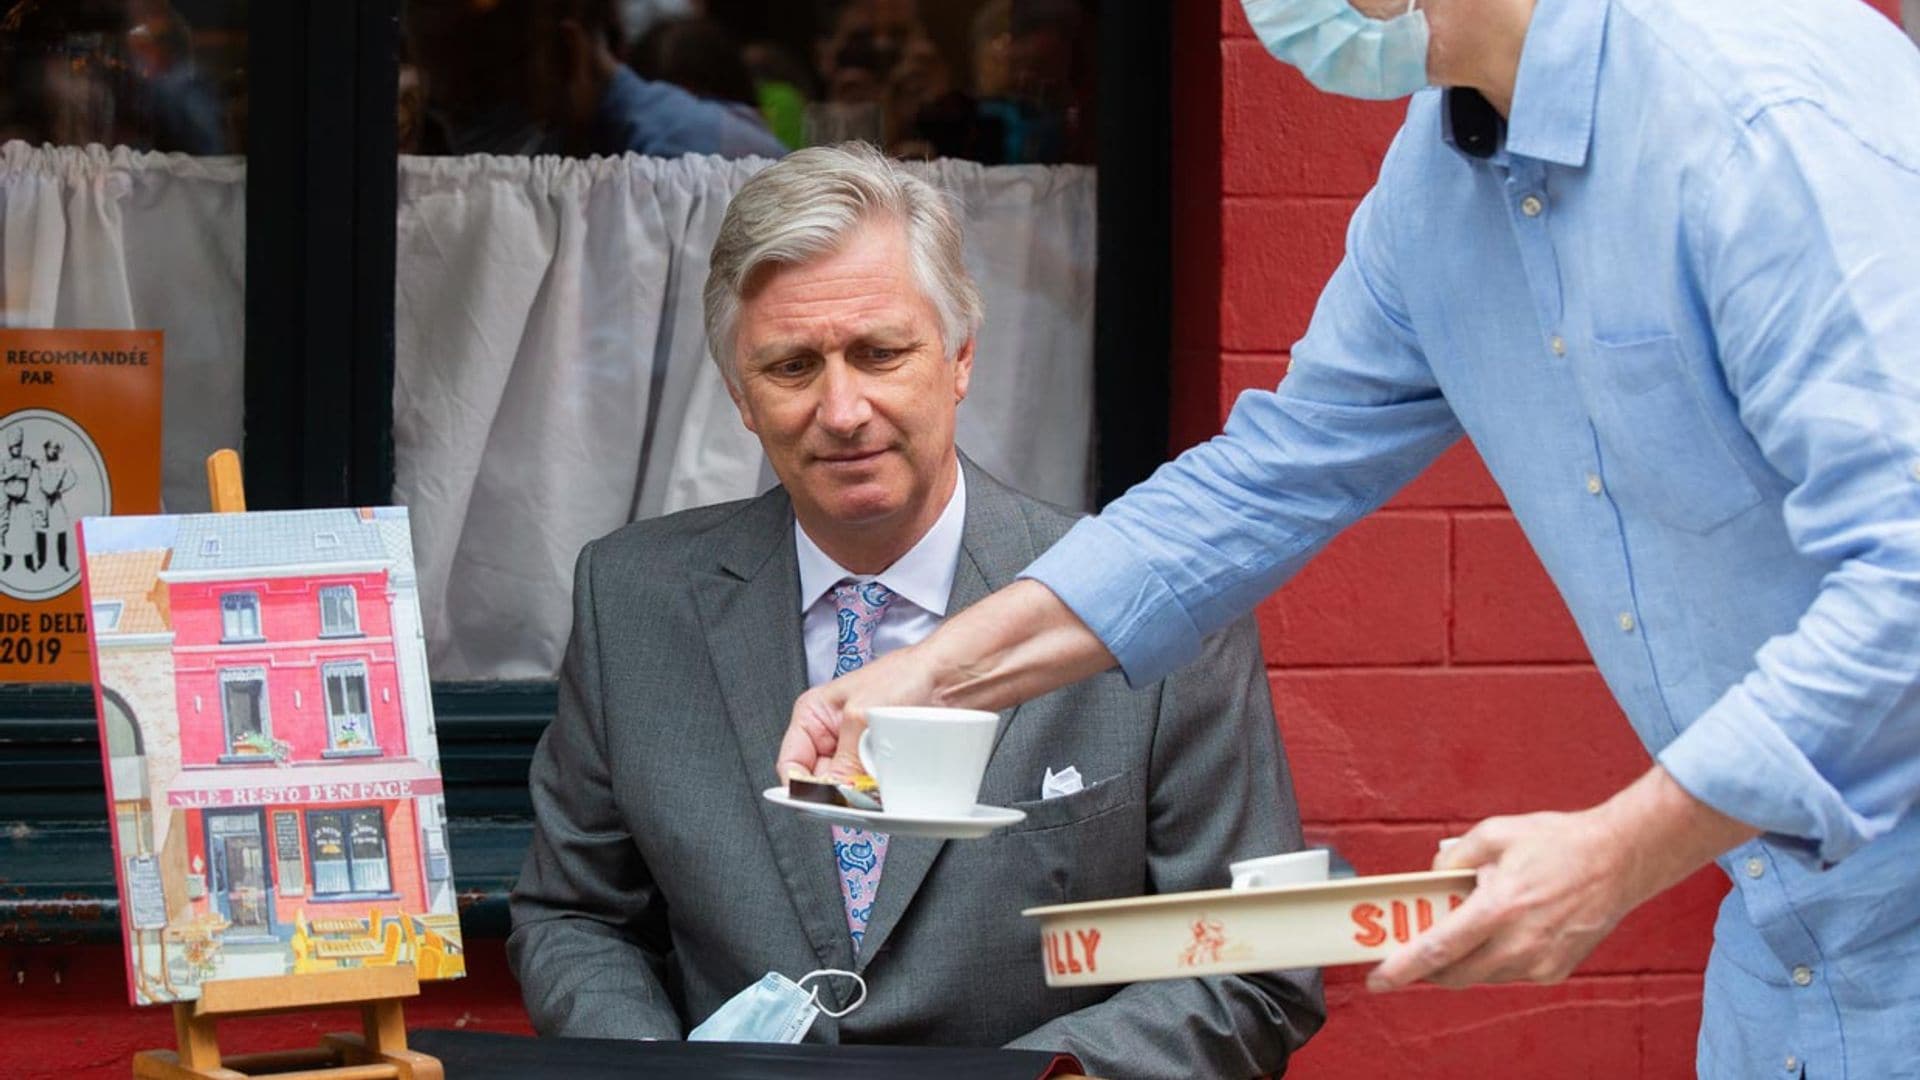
(302,945)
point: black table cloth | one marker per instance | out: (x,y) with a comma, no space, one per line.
(480,1055)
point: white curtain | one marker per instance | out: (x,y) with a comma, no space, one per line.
(551,376)
(116,240)
(553,382)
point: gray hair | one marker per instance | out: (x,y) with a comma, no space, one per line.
(806,206)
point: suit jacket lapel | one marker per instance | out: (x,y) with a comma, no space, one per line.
(750,608)
(994,548)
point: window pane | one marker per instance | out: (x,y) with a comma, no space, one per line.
(617,412)
(167,232)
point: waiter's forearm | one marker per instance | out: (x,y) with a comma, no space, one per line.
(1013,646)
(1672,832)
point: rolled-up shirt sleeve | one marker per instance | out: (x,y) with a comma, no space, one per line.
(1215,531)
(1818,328)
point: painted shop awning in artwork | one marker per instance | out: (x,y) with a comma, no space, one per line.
(323,782)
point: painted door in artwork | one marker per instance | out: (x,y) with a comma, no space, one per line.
(236,845)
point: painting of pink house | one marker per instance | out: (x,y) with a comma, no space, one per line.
(294,820)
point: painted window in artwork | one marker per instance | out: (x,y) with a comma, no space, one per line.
(349,720)
(367,850)
(243,702)
(327,842)
(339,611)
(106,615)
(240,617)
(348,851)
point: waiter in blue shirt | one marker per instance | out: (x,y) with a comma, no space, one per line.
(1661,261)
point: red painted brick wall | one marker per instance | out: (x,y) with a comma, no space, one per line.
(1425,672)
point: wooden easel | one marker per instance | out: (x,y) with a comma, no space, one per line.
(379,1053)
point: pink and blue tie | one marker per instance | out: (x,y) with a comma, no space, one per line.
(860,854)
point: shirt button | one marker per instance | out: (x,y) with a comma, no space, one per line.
(1594,486)
(1793,1063)
(1802,975)
(1532,206)
(1756,866)
(1626,622)
(1559,346)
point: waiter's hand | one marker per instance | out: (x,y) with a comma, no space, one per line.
(823,736)
(1014,645)
(1552,886)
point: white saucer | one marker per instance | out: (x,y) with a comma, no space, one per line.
(975,823)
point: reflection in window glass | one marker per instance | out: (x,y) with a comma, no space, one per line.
(146,74)
(993,81)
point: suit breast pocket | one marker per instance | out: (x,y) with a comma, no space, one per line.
(1662,452)
(1090,845)
(1067,810)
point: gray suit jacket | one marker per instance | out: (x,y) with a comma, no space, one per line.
(660,883)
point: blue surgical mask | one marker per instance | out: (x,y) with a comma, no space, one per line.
(774,1010)
(1342,51)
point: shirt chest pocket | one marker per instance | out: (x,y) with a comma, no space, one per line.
(1660,451)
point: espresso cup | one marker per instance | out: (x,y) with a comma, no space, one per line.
(1292,868)
(929,761)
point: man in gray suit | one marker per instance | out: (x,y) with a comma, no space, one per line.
(660,883)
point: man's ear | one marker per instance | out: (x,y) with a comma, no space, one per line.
(963,370)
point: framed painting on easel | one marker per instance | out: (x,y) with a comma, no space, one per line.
(268,736)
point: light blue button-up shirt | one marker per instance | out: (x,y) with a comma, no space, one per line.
(1675,302)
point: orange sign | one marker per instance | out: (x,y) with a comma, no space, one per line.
(79,436)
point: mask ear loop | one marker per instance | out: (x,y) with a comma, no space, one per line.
(857,1002)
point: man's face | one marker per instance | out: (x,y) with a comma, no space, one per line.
(843,376)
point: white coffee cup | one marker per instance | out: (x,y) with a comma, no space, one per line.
(1292,868)
(928,760)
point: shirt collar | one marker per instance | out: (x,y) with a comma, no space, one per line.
(1554,91)
(1553,95)
(923,576)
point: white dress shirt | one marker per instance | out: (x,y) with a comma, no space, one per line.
(921,581)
